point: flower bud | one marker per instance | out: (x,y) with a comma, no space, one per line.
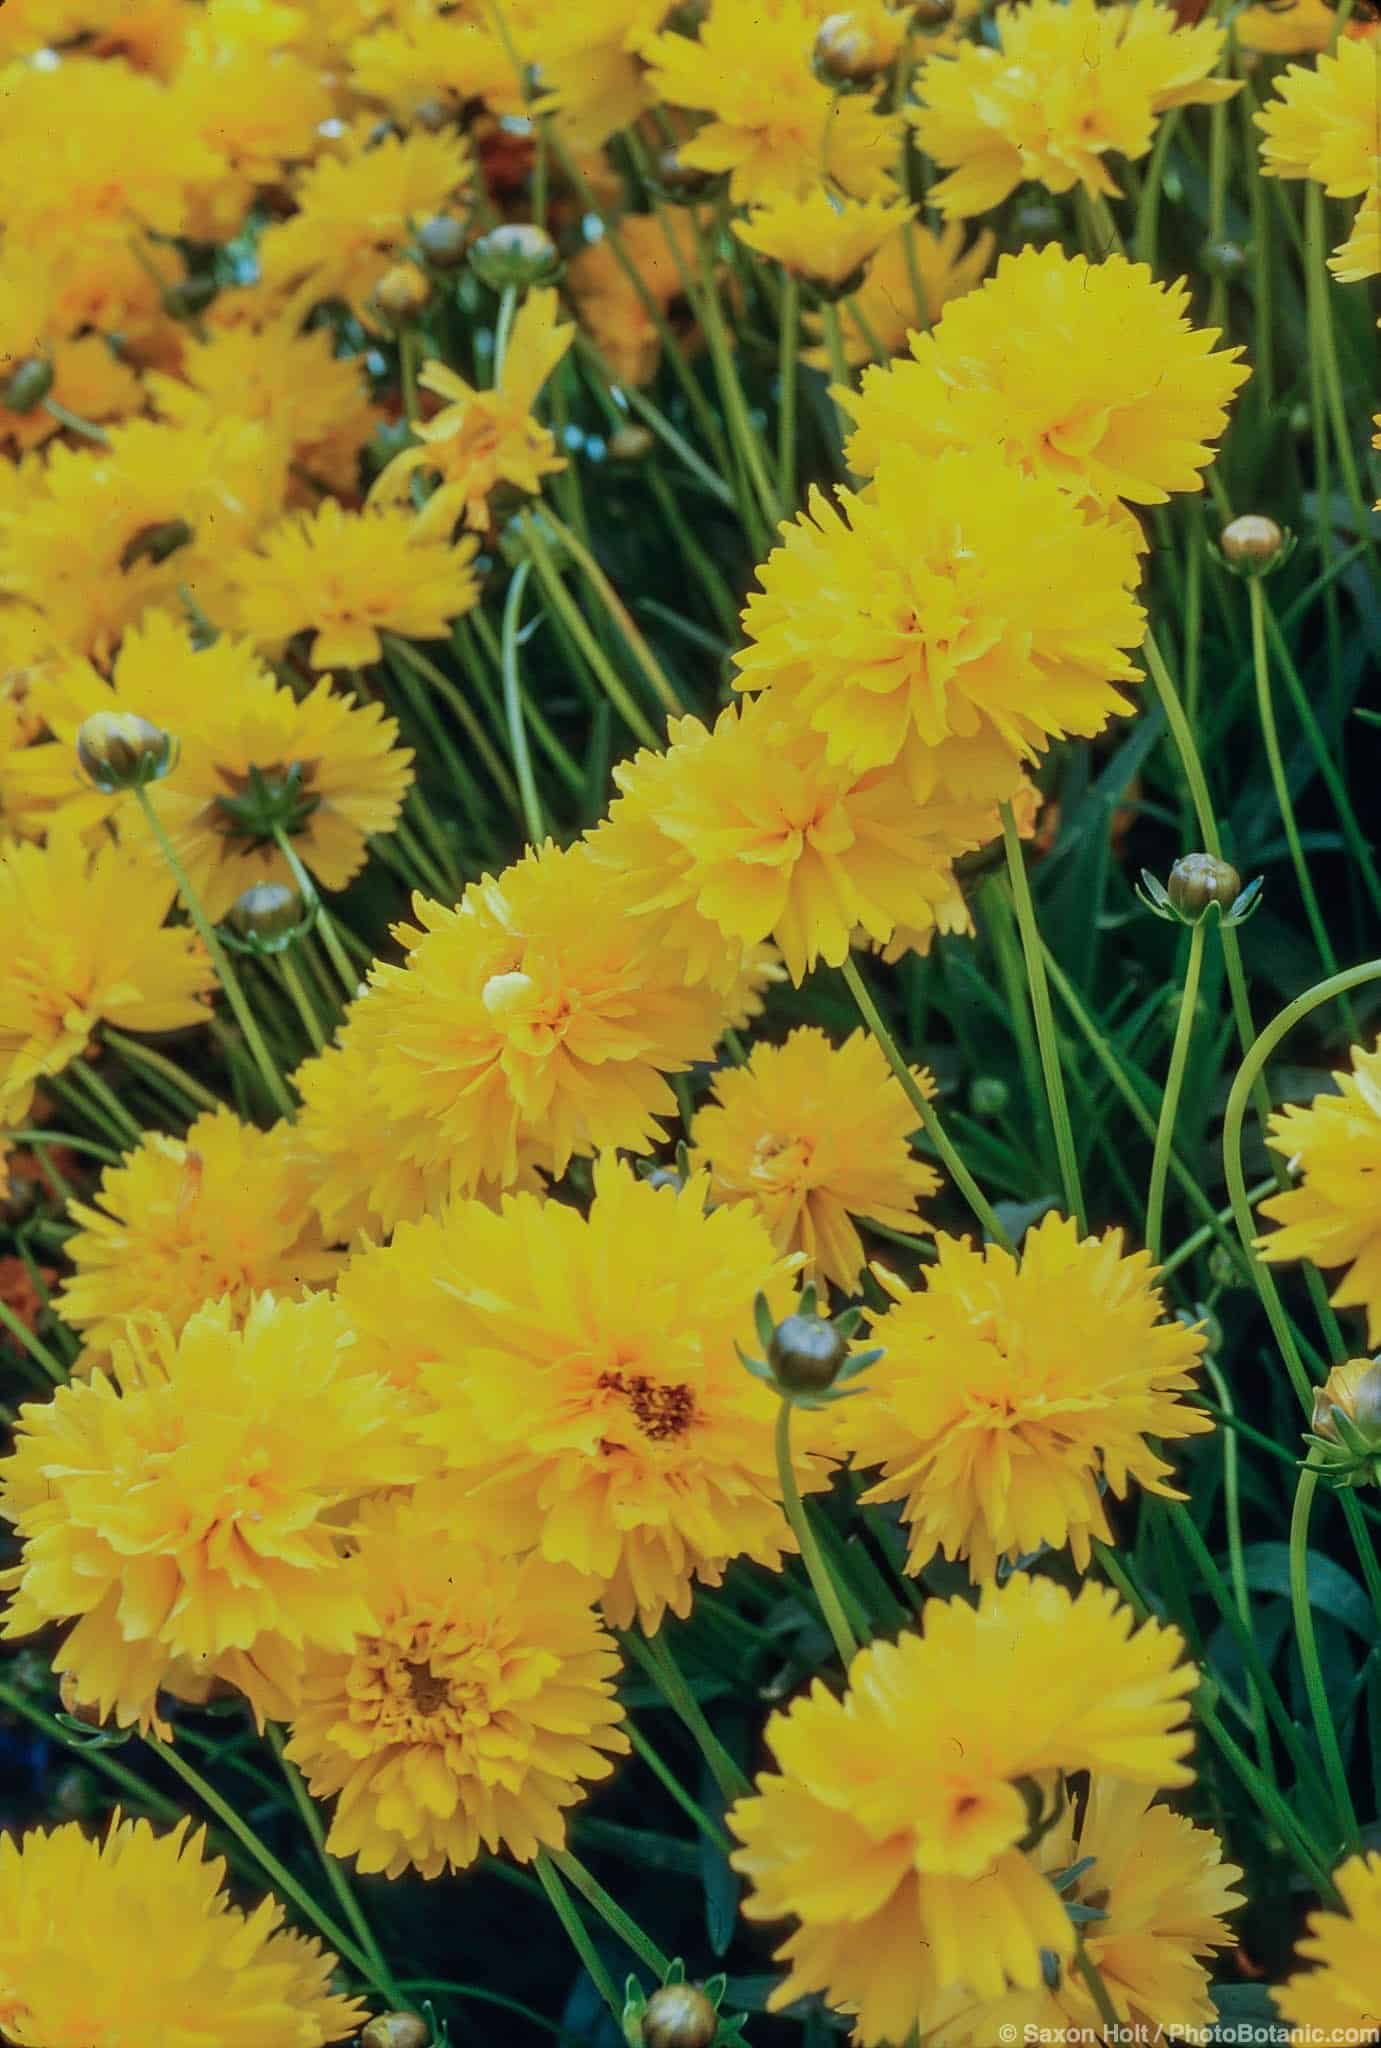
(402,292)
(932,14)
(1223,259)
(632,443)
(989,1095)
(442,239)
(27,385)
(1199,879)
(74,1706)
(268,916)
(679,2016)
(120,750)
(1252,544)
(189,297)
(433,115)
(1038,220)
(806,1353)
(673,178)
(515,256)
(848,51)
(396,2030)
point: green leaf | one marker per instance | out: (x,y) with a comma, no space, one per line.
(1332,1590)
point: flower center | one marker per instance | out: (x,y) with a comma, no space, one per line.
(428,1693)
(661,1412)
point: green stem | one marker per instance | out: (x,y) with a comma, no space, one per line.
(579,1936)
(503,327)
(225,973)
(1097,1989)
(676,1790)
(64,1138)
(335,1876)
(613,1915)
(560,598)
(717,592)
(816,1569)
(1007,948)
(35,1346)
(1046,1038)
(930,1122)
(1174,1082)
(1148,206)
(292,981)
(307,889)
(197,1096)
(1325,1731)
(839,376)
(1324,348)
(656,1659)
(118,1116)
(91,1758)
(788,372)
(421,665)
(639,402)
(618,612)
(513,707)
(741,430)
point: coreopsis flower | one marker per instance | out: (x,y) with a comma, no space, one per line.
(774,126)
(751,831)
(661,248)
(886,299)
(812,1136)
(891,1830)
(1126,404)
(1071,83)
(1359,257)
(597,82)
(960,600)
(348,576)
(1014,1393)
(476,1704)
(539,1015)
(355,216)
(77,1918)
(1336,2000)
(101,534)
(1334,1143)
(221,1216)
(185,1509)
(362,1175)
(316,401)
(82,374)
(424,59)
(257,107)
(1159,1888)
(481,439)
(588,1391)
(825,240)
(1322,125)
(83,941)
(322,767)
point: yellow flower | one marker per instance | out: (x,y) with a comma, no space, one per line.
(539,1016)
(484,438)
(134,1938)
(362,1177)
(476,1703)
(1337,1998)
(960,600)
(1160,1887)
(82,941)
(820,238)
(1291,29)
(316,401)
(598,83)
(100,535)
(775,127)
(1011,1395)
(178,1224)
(1072,82)
(86,377)
(188,1506)
(750,830)
(1114,394)
(327,767)
(422,58)
(259,108)
(1334,1143)
(891,1830)
(355,214)
(886,299)
(347,577)
(1359,257)
(812,1136)
(588,1389)
(1323,126)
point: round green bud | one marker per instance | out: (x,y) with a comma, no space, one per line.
(679,2016)
(517,255)
(28,384)
(1199,879)
(1252,542)
(1366,1402)
(989,1095)
(119,750)
(396,2030)
(806,1353)
(847,52)
(268,916)
(402,292)
(442,240)
(189,297)
(1223,259)
(632,443)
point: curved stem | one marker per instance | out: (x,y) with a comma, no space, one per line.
(335,1876)
(1041,1010)
(788,372)
(930,1122)
(513,707)
(1174,1082)
(1324,1729)
(579,1936)
(307,889)
(144,1056)
(817,1570)
(225,973)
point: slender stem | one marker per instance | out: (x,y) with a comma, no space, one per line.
(412,657)
(225,973)
(292,981)
(335,1876)
(64,1138)
(619,612)
(788,374)
(513,707)
(609,1910)
(717,592)
(157,1063)
(14,1702)
(930,1122)
(839,374)
(816,1568)
(579,1936)
(638,401)
(503,327)
(1324,347)
(1097,1989)
(1174,1082)
(36,1348)
(76,1101)
(672,1784)
(1148,205)
(560,598)
(1007,948)
(656,1659)
(409,349)
(1325,1731)
(120,1118)
(1046,1038)
(742,432)
(307,889)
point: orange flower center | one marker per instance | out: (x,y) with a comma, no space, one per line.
(661,1412)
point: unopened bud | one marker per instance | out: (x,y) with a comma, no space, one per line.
(74,1706)
(1252,544)
(989,1095)
(632,443)
(396,2030)
(402,292)
(1223,259)
(433,115)
(119,750)
(932,14)
(679,2016)
(806,1353)
(190,296)
(27,385)
(848,51)
(268,916)
(442,240)
(515,256)
(1200,879)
